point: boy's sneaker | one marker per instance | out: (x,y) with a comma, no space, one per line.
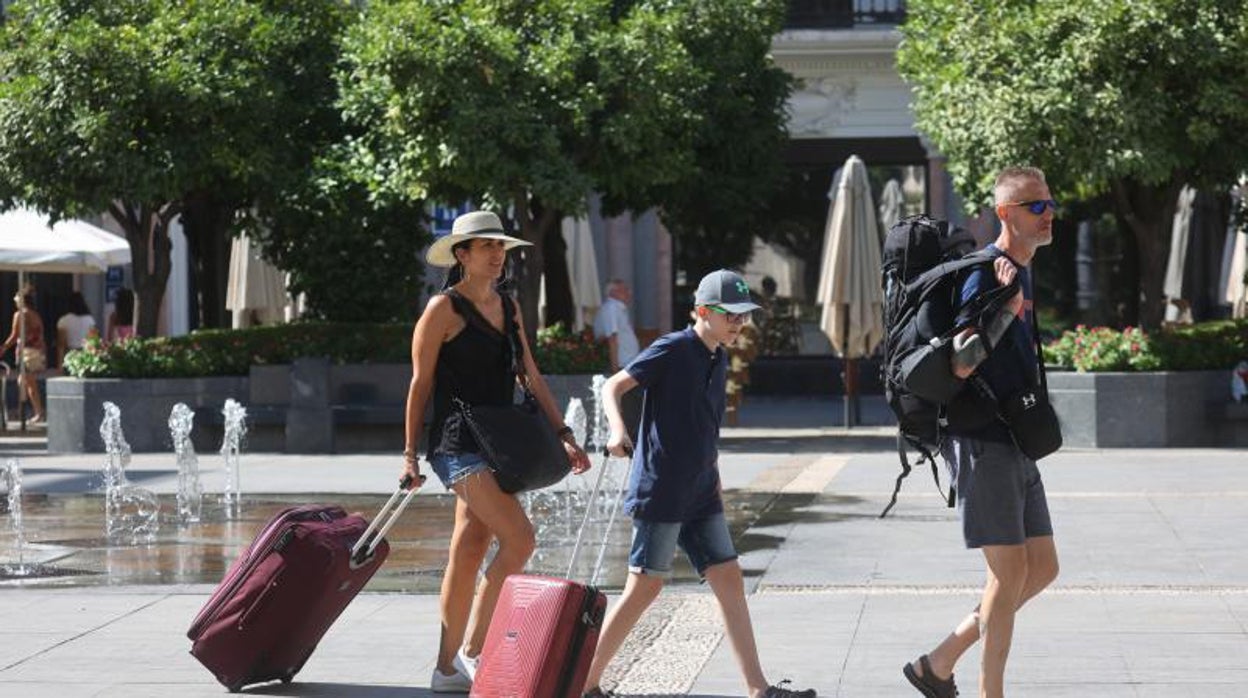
(449,683)
(466,665)
(780,690)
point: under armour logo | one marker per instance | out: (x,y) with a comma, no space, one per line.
(742,287)
(1029,401)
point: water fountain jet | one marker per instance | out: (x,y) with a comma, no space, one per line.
(231,445)
(190,492)
(131,513)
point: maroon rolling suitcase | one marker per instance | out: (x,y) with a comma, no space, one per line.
(286,589)
(544,630)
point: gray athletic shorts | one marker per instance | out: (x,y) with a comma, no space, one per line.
(1000,494)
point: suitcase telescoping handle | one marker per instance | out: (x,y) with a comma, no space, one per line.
(606,536)
(364,547)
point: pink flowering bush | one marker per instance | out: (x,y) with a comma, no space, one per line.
(1206,346)
(1102,349)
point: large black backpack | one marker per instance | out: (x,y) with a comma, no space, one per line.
(924,263)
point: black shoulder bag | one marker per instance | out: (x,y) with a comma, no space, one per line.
(1028,414)
(516,440)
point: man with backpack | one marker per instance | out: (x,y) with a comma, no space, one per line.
(1000,495)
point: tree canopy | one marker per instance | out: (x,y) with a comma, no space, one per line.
(528,107)
(144,107)
(1130,98)
(356,260)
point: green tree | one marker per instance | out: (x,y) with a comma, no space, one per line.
(155,109)
(357,260)
(1129,98)
(527,107)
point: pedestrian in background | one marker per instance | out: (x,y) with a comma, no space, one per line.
(613,324)
(120,323)
(73,328)
(32,354)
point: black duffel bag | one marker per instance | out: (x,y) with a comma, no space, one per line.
(517,442)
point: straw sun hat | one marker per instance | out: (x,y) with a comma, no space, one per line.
(477,224)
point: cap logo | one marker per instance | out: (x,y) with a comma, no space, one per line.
(742,287)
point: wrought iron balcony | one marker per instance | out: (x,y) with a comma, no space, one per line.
(844,14)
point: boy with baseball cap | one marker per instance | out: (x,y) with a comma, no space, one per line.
(674,490)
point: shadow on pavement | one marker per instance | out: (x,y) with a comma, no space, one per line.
(338,690)
(810,443)
(346,690)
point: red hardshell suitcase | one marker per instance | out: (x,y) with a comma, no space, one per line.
(544,630)
(541,639)
(285,590)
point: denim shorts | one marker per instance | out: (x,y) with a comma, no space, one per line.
(1000,493)
(706,542)
(453,467)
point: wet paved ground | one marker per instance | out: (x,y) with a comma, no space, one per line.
(1152,600)
(64,545)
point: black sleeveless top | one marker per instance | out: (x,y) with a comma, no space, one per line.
(476,366)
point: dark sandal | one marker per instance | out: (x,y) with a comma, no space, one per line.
(928,684)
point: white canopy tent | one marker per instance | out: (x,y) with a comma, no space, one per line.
(30,242)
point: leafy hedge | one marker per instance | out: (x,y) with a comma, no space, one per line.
(233,352)
(1206,346)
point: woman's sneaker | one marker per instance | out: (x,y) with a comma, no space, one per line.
(449,683)
(466,665)
(781,690)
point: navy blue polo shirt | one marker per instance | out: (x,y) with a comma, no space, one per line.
(675,473)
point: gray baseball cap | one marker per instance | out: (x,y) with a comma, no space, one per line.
(727,290)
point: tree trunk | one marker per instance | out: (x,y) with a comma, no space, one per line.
(206,222)
(559,306)
(1149,211)
(147,230)
(533,220)
(1128,277)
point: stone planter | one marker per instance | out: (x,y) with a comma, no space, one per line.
(1148,409)
(310,406)
(76,407)
(566,387)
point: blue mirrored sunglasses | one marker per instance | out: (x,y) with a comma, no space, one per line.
(1037,207)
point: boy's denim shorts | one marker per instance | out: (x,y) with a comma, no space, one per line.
(706,542)
(453,467)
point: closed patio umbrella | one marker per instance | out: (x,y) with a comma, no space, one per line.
(582,268)
(1176,287)
(892,206)
(253,285)
(849,278)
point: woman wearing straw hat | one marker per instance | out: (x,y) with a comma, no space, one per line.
(460,341)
